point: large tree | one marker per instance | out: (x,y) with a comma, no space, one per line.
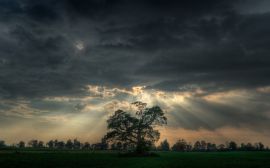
(164,146)
(136,129)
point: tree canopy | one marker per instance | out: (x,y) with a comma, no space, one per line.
(136,130)
(164,145)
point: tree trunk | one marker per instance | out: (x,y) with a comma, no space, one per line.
(139,147)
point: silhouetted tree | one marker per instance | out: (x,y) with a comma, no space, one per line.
(69,144)
(136,130)
(203,145)
(21,144)
(33,143)
(55,143)
(86,145)
(40,144)
(50,144)
(221,147)
(180,145)
(261,146)
(2,144)
(189,147)
(258,146)
(76,144)
(197,146)
(59,144)
(211,147)
(242,146)
(103,145)
(232,146)
(164,146)
(249,146)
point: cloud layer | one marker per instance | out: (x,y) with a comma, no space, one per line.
(207,63)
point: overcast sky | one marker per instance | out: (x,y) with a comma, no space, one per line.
(66,65)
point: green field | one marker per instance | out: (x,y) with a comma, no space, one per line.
(80,159)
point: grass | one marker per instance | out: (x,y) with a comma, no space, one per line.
(85,159)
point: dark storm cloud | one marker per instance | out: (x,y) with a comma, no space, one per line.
(58,47)
(173,43)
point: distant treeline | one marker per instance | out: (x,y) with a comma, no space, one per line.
(181,145)
(184,146)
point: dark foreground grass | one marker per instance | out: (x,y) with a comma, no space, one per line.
(80,159)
